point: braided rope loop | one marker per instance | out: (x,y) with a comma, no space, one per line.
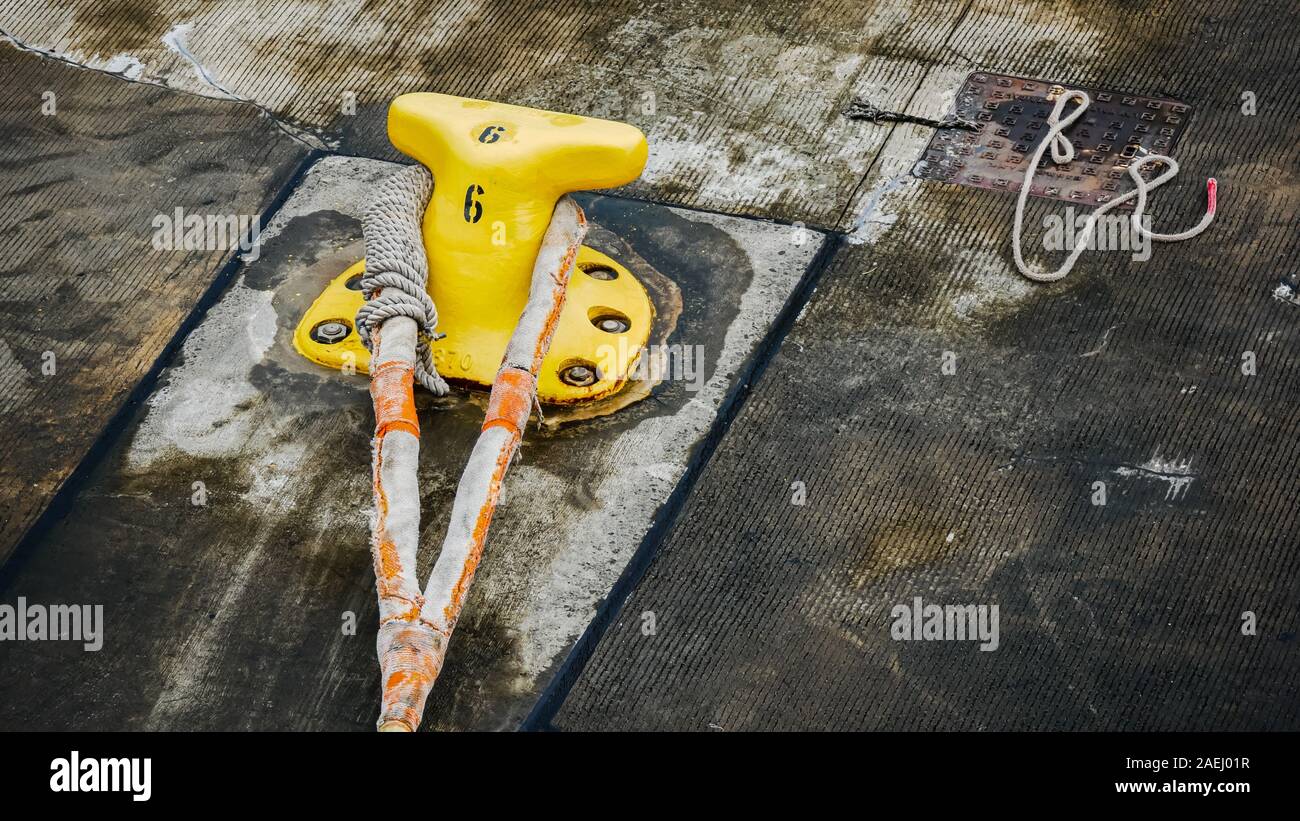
(397,269)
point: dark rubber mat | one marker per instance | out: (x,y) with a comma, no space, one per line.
(1171,386)
(88,302)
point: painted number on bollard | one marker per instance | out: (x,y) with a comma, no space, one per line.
(491,134)
(473,208)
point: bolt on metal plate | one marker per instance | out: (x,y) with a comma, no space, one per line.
(330,332)
(1012,115)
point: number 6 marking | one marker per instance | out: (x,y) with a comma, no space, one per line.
(473,208)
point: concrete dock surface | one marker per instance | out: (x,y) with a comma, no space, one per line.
(875,414)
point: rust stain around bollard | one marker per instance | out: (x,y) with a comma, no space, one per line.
(1012,114)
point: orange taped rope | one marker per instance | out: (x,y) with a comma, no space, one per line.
(511,400)
(392,388)
(416,629)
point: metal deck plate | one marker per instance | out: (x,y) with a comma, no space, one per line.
(1012,114)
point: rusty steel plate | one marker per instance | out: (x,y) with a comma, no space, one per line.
(1011,115)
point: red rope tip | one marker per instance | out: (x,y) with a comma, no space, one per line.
(1212,193)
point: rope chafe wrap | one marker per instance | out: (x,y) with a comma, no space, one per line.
(397,269)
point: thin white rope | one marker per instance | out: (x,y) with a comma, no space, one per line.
(1063,152)
(397,269)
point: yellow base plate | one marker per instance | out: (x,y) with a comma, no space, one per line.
(589,334)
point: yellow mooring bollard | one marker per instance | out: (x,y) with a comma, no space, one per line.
(519,305)
(498,172)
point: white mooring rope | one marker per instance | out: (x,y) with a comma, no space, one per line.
(1063,152)
(397,267)
(396,323)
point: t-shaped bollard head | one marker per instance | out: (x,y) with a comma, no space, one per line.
(498,171)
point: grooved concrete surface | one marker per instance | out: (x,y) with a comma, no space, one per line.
(979,487)
(975,487)
(740,100)
(88,303)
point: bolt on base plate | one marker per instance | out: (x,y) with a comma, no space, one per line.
(602,331)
